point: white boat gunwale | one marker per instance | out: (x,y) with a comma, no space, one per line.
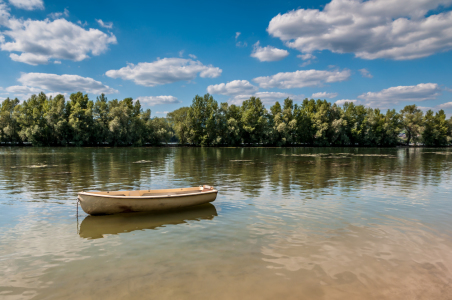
(146,197)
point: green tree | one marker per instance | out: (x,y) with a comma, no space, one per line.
(277,125)
(101,110)
(412,122)
(161,131)
(449,134)
(33,125)
(57,121)
(305,130)
(283,124)
(290,130)
(355,115)
(391,128)
(255,121)
(436,129)
(201,120)
(221,125)
(338,125)
(9,127)
(321,122)
(234,128)
(178,120)
(80,120)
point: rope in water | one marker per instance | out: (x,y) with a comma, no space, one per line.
(78,200)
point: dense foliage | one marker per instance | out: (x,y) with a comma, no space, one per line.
(44,121)
(313,122)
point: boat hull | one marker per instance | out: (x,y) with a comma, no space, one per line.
(95,204)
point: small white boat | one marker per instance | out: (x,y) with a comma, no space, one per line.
(105,203)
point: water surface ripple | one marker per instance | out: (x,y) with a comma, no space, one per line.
(288,223)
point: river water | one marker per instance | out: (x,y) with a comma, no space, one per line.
(288,223)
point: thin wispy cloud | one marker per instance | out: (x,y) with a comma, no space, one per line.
(57,15)
(239,43)
(324,95)
(365,73)
(307,58)
(162,112)
(343,101)
(268,98)
(103,24)
(157,100)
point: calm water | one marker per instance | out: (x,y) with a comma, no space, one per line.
(287,224)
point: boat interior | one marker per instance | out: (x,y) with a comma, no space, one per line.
(166,192)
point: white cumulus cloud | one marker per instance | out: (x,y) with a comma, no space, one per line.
(28,4)
(103,24)
(392,29)
(64,83)
(20,89)
(268,53)
(394,95)
(4,17)
(235,87)
(301,78)
(268,98)
(39,41)
(343,101)
(445,105)
(21,92)
(156,100)
(323,95)
(164,71)
(25,92)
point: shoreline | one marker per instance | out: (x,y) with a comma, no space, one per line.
(225,146)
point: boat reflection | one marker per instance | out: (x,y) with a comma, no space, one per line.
(94,227)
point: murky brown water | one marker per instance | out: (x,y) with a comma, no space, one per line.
(285,225)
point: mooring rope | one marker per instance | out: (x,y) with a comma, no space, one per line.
(78,200)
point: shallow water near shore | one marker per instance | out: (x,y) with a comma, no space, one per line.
(288,223)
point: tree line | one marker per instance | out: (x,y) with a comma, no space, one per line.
(48,121)
(79,121)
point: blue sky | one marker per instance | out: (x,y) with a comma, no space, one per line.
(380,53)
